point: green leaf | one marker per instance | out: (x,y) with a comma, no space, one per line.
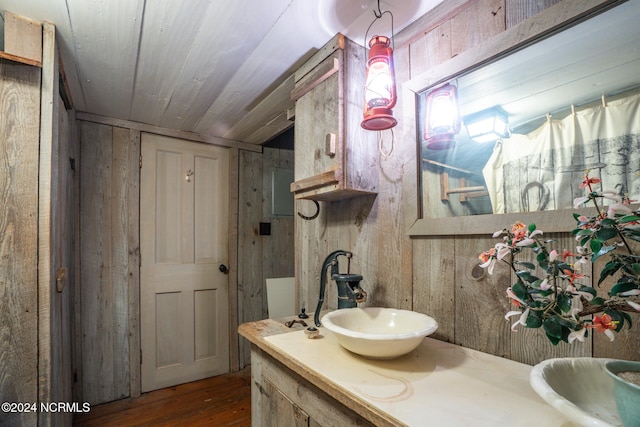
(533,321)
(607,233)
(597,301)
(564,302)
(552,328)
(609,269)
(636,267)
(576,216)
(520,290)
(608,222)
(528,265)
(628,218)
(584,231)
(623,287)
(524,275)
(531,228)
(595,245)
(603,251)
(553,340)
(588,289)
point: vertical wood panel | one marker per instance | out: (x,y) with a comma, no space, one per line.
(475,24)
(19,138)
(480,299)
(434,283)
(133,239)
(234,343)
(431,49)
(48,313)
(250,278)
(106,196)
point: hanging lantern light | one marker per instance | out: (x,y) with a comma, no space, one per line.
(380,86)
(443,119)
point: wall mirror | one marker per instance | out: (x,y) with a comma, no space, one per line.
(534,111)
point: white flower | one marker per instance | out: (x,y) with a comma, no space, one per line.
(513,296)
(612,195)
(635,305)
(609,333)
(617,207)
(502,250)
(523,318)
(630,293)
(491,262)
(545,285)
(577,335)
(553,255)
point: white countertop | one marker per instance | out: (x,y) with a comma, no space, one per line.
(437,384)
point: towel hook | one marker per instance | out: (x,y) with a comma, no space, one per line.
(314,216)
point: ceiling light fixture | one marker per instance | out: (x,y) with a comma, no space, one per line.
(487,125)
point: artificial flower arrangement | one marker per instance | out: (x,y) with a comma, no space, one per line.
(556,301)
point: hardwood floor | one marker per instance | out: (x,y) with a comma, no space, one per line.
(219,401)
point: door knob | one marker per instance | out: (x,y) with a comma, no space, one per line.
(223,268)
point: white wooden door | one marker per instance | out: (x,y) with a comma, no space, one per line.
(184,241)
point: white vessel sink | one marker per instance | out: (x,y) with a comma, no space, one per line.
(380,333)
(579,388)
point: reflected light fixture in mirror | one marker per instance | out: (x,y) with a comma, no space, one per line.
(487,125)
(380,87)
(442,118)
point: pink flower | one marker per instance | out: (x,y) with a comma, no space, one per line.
(604,324)
(586,182)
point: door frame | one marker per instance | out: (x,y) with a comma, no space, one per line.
(134,295)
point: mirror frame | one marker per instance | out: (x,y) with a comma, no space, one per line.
(550,21)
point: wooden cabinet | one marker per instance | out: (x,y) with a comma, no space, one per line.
(280,397)
(334,157)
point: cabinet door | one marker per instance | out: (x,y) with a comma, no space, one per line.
(319,126)
(279,411)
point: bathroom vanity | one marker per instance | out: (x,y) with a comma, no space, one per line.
(316,382)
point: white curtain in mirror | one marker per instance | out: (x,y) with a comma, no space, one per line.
(543,169)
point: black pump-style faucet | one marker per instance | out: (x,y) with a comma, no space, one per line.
(349,291)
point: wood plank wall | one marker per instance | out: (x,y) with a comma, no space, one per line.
(108,294)
(57,219)
(38,229)
(108,333)
(19,138)
(435,275)
(260,257)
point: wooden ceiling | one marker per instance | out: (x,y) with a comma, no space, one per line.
(213,67)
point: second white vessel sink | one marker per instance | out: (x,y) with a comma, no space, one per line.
(579,388)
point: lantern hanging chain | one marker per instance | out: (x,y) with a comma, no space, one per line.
(380,140)
(378,14)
